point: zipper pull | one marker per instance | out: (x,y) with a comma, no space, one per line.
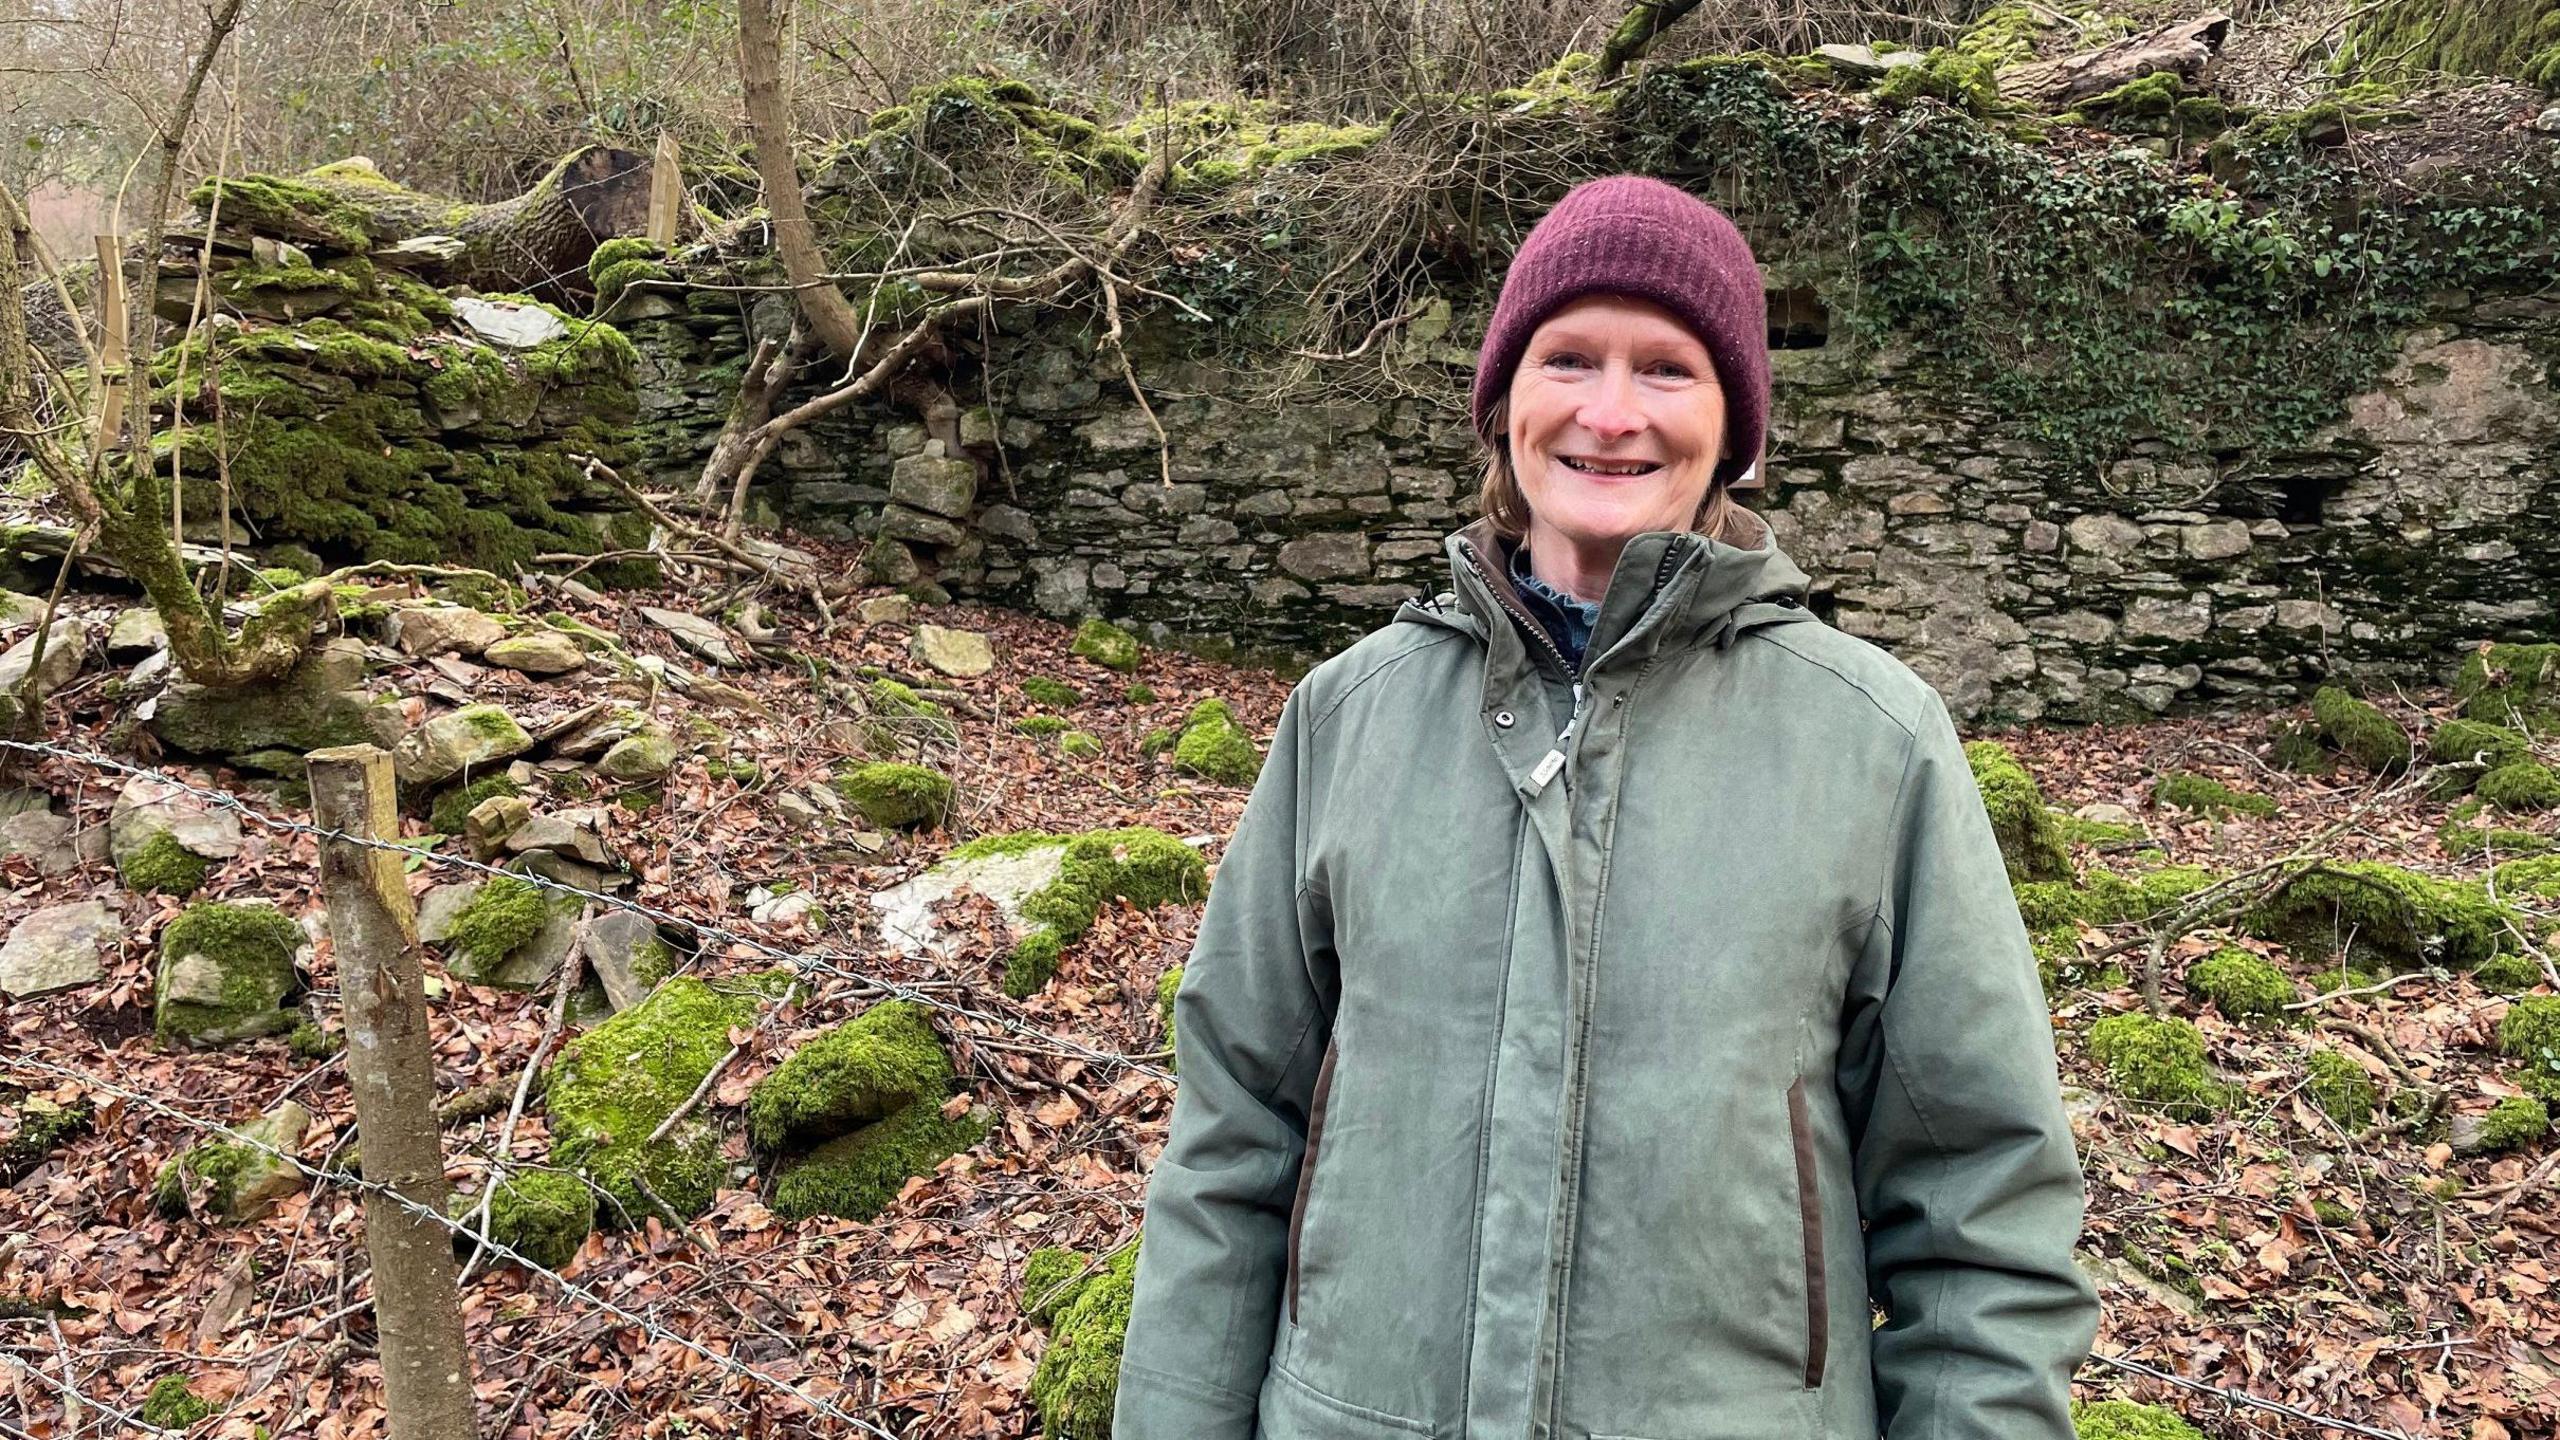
(1546,770)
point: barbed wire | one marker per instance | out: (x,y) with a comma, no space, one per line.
(822,959)
(74,1393)
(358,1183)
(2243,1397)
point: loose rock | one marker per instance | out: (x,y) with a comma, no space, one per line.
(963,654)
(542,652)
(60,947)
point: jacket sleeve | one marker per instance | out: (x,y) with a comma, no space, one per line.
(1966,1172)
(1250,1024)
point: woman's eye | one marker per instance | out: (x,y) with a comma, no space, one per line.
(1565,359)
(1671,368)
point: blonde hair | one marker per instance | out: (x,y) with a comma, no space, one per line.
(1500,498)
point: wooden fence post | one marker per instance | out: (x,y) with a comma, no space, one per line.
(426,1372)
(666,192)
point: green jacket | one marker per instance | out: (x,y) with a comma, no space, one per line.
(1588,1082)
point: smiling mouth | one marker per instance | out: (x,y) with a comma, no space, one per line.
(1613,469)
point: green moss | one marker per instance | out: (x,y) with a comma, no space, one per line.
(2523,788)
(274,205)
(855,1074)
(2241,985)
(1081,744)
(173,1406)
(2157,1059)
(253,946)
(2060,966)
(1052,1278)
(2509,974)
(1078,1381)
(1213,746)
(161,865)
(1157,741)
(2094,832)
(1950,75)
(2029,840)
(1143,866)
(43,1127)
(309,1041)
(1042,726)
(2530,1035)
(2513,1123)
(1106,644)
(2460,839)
(2295,747)
(2475,745)
(507,912)
(614,1085)
(2361,731)
(1056,694)
(2538,877)
(542,1215)
(856,1176)
(1138,693)
(896,796)
(2341,1089)
(2516,685)
(2125,1420)
(901,720)
(454,806)
(2210,797)
(2406,919)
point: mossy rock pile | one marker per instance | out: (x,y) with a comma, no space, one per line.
(238,1176)
(2513,685)
(613,1086)
(2030,838)
(540,1215)
(897,796)
(1086,1308)
(363,420)
(2360,731)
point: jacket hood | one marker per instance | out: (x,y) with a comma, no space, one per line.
(1670,589)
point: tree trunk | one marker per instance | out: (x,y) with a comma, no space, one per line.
(761,27)
(2181,49)
(1636,31)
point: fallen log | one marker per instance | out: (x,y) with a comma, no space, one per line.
(2181,49)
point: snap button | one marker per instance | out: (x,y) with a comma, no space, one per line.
(1502,719)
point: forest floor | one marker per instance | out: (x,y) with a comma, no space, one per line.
(2425,1311)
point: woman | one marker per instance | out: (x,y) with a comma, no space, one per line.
(1613,984)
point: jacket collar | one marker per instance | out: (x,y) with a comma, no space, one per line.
(1670,589)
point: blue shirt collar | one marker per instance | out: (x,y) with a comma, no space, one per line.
(1568,621)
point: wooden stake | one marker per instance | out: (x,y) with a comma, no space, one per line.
(426,1371)
(666,192)
(107,386)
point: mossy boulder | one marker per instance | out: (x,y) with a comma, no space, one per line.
(1213,746)
(855,1176)
(855,1074)
(1143,866)
(2537,876)
(2157,1059)
(2516,685)
(42,1128)
(162,865)
(2509,974)
(2386,913)
(238,1176)
(896,796)
(1056,694)
(899,722)
(615,1085)
(2526,787)
(225,974)
(1042,726)
(2241,985)
(1078,1381)
(542,1215)
(456,743)
(2210,797)
(2341,1089)
(2030,841)
(2472,748)
(320,703)
(494,938)
(1079,744)
(2530,1035)
(2515,1122)
(1106,644)
(2360,731)
(454,806)
(2125,1420)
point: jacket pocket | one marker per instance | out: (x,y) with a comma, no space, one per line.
(1307,1167)
(1817,1308)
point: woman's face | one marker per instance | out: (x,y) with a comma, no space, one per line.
(1616,423)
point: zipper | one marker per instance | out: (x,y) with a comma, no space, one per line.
(1558,761)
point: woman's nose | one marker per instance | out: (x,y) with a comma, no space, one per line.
(1611,411)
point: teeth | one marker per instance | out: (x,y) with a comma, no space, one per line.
(1595,467)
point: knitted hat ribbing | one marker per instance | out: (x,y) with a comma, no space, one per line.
(1632,235)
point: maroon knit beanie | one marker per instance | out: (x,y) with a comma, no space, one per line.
(1632,235)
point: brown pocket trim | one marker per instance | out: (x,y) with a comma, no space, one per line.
(1817,1309)
(1307,1168)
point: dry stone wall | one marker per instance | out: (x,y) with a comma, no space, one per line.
(2425,519)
